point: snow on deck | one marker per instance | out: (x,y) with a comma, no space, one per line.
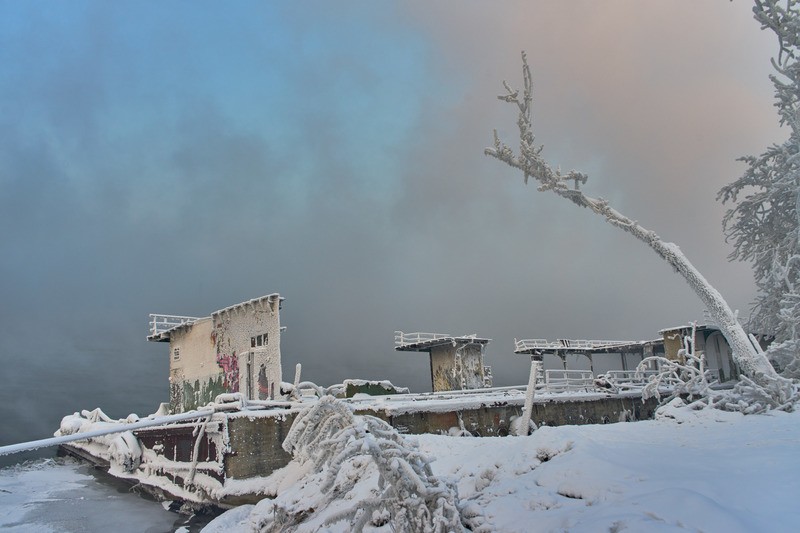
(530,346)
(436,402)
(423,342)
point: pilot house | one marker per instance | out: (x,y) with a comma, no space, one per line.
(236,349)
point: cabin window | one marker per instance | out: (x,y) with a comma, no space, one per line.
(259,340)
(176,354)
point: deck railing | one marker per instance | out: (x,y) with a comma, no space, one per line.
(556,381)
(161,323)
(630,379)
(404,339)
(565,344)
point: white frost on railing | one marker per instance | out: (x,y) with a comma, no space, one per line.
(405,339)
(556,381)
(630,379)
(161,323)
(562,344)
(637,379)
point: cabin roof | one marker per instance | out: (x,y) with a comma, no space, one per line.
(162,326)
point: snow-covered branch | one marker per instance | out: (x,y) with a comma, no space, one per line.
(531,163)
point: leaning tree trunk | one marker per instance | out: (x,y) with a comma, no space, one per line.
(747,355)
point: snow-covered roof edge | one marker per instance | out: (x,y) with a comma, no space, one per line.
(163,336)
(255,301)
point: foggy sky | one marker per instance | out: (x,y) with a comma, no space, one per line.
(179,158)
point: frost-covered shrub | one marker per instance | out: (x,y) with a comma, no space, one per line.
(328,438)
(689,378)
(685,376)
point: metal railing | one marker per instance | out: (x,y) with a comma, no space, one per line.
(565,344)
(637,379)
(161,323)
(568,381)
(404,339)
(630,379)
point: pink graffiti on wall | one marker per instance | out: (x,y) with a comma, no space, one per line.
(230,369)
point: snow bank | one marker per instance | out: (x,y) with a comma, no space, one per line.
(708,470)
(704,470)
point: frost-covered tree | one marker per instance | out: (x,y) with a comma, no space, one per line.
(529,161)
(339,448)
(764,224)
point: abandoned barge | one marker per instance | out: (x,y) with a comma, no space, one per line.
(230,409)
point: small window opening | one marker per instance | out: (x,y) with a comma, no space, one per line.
(176,354)
(259,340)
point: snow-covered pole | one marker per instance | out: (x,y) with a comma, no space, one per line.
(530,161)
(522,424)
(115,428)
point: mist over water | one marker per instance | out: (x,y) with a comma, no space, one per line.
(165,159)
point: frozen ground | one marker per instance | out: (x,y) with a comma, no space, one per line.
(63,495)
(706,471)
(709,471)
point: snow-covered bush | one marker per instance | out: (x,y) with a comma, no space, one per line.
(342,450)
(687,377)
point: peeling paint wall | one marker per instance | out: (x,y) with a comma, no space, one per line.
(457,368)
(194,372)
(443,369)
(252,365)
(471,366)
(235,350)
(672,343)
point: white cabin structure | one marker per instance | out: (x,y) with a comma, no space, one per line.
(235,349)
